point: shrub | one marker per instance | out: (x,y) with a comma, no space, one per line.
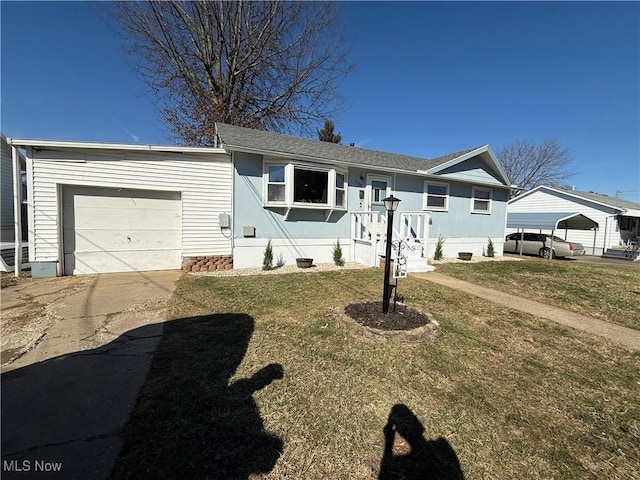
(337,254)
(438,254)
(267,261)
(491,251)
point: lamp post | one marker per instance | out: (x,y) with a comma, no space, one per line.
(390,204)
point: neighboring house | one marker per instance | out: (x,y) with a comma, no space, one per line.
(618,219)
(7,208)
(98,207)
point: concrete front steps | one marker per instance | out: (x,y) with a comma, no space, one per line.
(623,253)
(416,263)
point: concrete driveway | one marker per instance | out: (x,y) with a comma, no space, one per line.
(75,352)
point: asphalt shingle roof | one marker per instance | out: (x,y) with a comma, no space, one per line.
(243,139)
(606,199)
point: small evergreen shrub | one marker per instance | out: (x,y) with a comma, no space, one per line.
(267,260)
(491,251)
(337,254)
(438,253)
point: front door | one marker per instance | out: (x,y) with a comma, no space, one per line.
(378,188)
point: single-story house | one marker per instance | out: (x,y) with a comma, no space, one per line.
(9,205)
(100,207)
(618,219)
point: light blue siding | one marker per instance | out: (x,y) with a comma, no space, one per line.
(269,221)
(457,222)
(472,170)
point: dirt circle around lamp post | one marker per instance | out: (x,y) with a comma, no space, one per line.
(404,325)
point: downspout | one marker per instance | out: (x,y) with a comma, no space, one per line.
(17,210)
(233,201)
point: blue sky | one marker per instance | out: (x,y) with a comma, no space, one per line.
(431,78)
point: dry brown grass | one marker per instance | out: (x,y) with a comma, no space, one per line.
(607,292)
(514,397)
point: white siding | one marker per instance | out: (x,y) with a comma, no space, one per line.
(204,181)
(545,201)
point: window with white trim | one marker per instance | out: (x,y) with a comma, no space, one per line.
(304,186)
(310,186)
(481,200)
(436,196)
(378,191)
(275,184)
(341,194)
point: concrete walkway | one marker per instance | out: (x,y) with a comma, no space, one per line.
(69,389)
(624,336)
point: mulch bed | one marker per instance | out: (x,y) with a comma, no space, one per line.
(370,314)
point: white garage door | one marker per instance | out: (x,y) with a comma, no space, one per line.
(120,230)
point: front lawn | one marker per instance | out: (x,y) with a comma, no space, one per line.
(605,292)
(254,376)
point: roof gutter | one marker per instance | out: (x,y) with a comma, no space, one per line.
(17,142)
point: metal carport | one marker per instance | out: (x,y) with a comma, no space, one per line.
(551,221)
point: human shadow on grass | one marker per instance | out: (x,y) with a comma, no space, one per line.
(424,460)
(189,421)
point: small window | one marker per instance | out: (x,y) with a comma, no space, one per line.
(378,191)
(310,186)
(481,201)
(436,196)
(340,190)
(275,183)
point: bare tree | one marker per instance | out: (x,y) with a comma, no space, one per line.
(269,65)
(529,165)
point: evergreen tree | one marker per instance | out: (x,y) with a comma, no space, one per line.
(327,134)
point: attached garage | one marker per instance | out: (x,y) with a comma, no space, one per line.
(120,230)
(102,208)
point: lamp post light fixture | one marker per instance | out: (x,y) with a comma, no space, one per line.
(390,204)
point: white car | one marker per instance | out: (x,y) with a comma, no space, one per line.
(540,244)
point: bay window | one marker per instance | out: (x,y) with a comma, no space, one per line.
(297,185)
(275,183)
(340,190)
(310,186)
